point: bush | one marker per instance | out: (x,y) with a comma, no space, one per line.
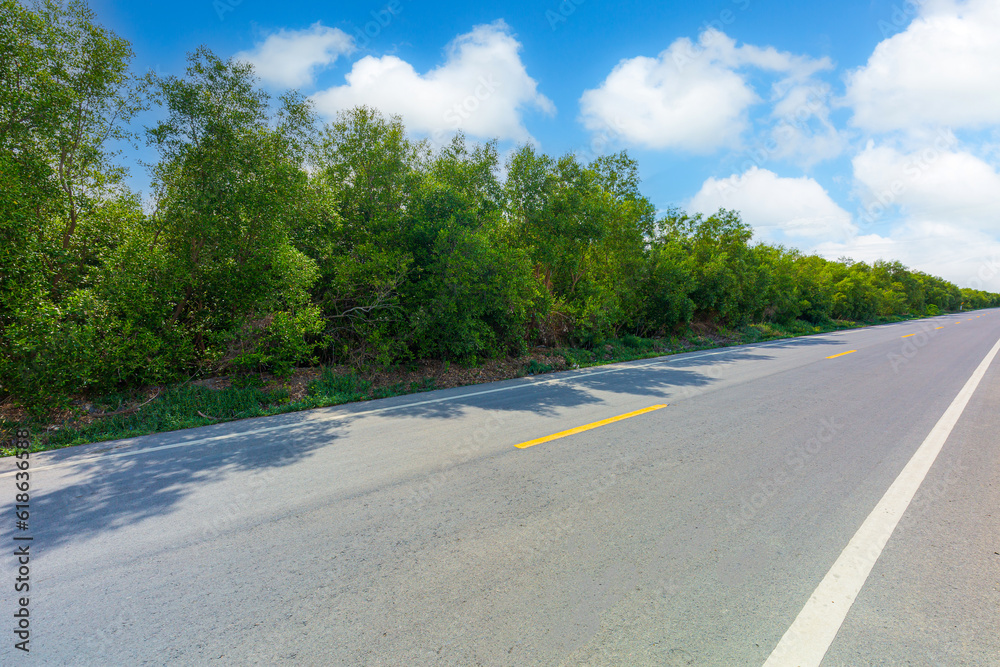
(534,367)
(276,342)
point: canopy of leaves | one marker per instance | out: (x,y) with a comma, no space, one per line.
(271,240)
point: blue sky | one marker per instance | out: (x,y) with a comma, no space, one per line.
(865,129)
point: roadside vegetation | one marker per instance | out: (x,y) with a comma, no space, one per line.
(273,243)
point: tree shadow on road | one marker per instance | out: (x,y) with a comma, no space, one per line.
(108,488)
(547,394)
(105,493)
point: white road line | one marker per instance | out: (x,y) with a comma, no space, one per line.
(285,427)
(810,635)
(333,417)
(343,415)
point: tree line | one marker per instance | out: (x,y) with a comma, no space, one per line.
(271,239)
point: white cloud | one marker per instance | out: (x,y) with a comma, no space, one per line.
(803,132)
(943,202)
(797,207)
(691,96)
(937,182)
(289,58)
(943,69)
(482,88)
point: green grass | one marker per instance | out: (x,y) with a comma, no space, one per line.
(175,408)
(535,367)
(179,407)
(630,348)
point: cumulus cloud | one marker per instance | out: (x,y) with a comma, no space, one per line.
(691,96)
(482,88)
(936,182)
(942,70)
(795,207)
(802,131)
(290,58)
(936,208)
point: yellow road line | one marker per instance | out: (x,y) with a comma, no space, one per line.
(939,327)
(834,356)
(587,427)
(908,335)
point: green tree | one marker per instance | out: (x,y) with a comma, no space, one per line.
(366,169)
(66,95)
(470,294)
(726,271)
(228,190)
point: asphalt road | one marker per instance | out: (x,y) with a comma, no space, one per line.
(413,530)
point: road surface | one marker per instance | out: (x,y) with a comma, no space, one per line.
(415,531)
